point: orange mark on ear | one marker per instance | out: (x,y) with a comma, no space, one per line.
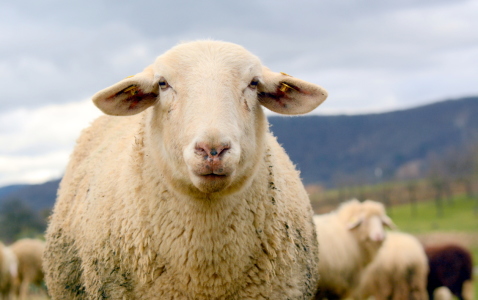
(285,87)
(133,90)
(133,96)
(281,95)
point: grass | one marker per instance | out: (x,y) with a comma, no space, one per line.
(459,214)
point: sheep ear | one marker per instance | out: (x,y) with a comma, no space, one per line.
(356,223)
(388,222)
(287,95)
(129,96)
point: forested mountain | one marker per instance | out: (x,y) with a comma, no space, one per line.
(331,150)
(36,196)
(11,188)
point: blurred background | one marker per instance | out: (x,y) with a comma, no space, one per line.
(400,125)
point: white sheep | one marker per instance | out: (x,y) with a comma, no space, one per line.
(443,293)
(187,195)
(398,272)
(8,271)
(349,238)
(29,253)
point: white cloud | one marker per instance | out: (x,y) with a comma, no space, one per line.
(32,169)
(36,143)
(71,50)
(370,55)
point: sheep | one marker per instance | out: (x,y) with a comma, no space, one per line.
(442,293)
(29,253)
(349,238)
(182,192)
(450,266)
(8,271)
(399,271)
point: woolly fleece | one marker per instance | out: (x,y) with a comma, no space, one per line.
(8,271)
(399,271)
(29,253)
(123,227)
(345,252)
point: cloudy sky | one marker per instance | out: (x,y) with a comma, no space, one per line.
(371,55)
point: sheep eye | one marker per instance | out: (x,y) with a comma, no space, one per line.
(163,84)
(254,83)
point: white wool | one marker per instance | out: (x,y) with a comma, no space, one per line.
(182,192)
(442,293)
(8,271)
(399,271)
(29,254)
(11,261)
(347,243)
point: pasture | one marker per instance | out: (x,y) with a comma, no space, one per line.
(460,214)
(458,223)
(451,219)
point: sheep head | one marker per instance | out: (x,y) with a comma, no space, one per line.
(367,221)
(206,120)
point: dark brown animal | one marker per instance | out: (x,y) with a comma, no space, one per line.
(450,266)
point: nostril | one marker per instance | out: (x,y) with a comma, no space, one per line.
(200,150)
(219,151)
(223,149)
(211,152)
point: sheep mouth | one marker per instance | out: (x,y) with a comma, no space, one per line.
(208,172)
(213,176)
(211,182)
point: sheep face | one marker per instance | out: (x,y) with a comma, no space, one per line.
(206,124)
(368,224)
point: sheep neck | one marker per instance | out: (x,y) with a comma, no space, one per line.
(217,247)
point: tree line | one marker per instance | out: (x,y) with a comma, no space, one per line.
(18,220)
(448,175)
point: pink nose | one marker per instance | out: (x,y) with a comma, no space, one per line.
(211,151)
(377,237)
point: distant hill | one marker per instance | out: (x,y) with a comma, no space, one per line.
(333,149)
(328,149)
(11,188)
(37,196)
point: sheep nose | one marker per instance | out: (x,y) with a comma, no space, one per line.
(378,237)
(212,151)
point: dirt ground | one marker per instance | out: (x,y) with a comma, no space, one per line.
(466,239)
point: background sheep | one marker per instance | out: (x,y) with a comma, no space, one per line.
(349,239)
(192,198)
(29,253)
(8,271)
(398,272)
(442,293)
(450,266)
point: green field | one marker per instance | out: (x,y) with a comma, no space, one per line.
(459,214)
(456,222)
